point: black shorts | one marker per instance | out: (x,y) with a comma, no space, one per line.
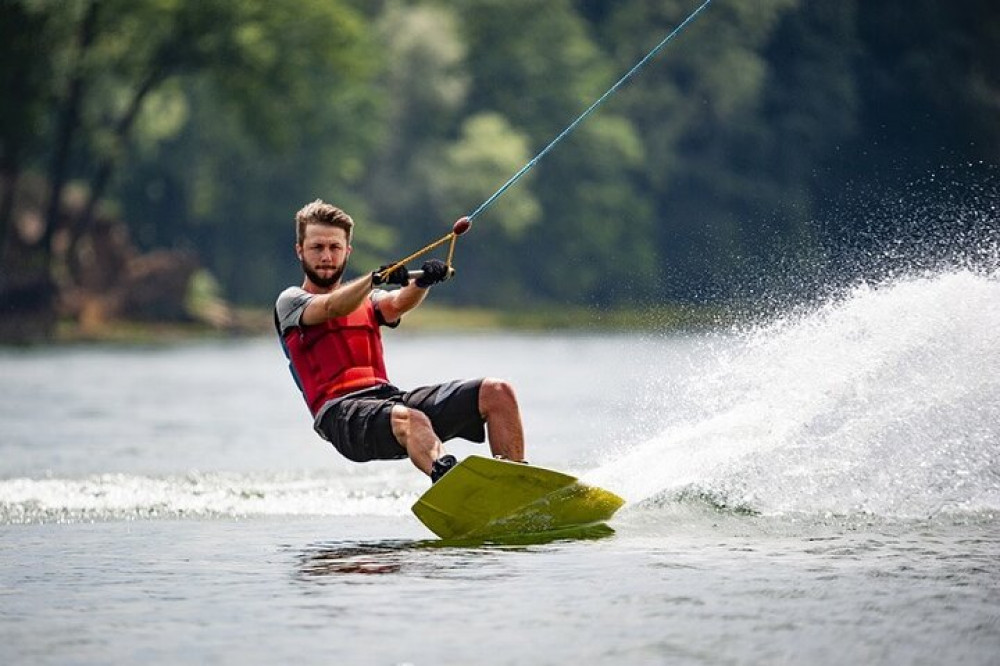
(359,425)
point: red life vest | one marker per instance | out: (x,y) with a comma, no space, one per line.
(337,357)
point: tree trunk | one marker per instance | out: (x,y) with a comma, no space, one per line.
(102,178)
(9,174)
(68,124)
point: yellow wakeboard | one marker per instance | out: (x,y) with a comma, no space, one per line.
(484,498)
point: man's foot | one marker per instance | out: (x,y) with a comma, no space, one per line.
(441,467)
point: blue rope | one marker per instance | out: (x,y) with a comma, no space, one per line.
(611,91)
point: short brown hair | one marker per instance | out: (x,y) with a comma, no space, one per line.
(320,212)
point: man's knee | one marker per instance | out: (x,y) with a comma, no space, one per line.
(408,424)
(496,395)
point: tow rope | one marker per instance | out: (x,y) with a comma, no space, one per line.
(463,224)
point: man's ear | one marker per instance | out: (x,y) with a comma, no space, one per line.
(298,251)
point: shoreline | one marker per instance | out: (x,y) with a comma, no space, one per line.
(427,318)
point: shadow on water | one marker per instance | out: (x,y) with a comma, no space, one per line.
(427,558)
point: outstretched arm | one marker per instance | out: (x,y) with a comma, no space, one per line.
(340,302)
(397,303)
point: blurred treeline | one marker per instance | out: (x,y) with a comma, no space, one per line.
(204,125)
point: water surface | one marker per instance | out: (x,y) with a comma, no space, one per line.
(821,489)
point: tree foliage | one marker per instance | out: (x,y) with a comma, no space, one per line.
(207,124)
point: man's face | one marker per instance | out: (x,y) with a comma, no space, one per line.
(323,253)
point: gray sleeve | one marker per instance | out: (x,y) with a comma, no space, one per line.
(291,304)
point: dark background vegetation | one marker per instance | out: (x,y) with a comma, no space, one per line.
(151,148)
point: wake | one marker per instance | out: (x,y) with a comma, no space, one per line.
(885,401)
(110,497)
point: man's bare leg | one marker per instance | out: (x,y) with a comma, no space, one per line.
(498,405)
(414,431)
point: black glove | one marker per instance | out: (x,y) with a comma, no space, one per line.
(400,276)
(434,271)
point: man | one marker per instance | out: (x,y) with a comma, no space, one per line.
(330,332)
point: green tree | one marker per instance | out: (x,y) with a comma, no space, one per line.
(541,76)
(462,176)
(701,114)
(423,87)
(305,125)
(125,74)
(24,78)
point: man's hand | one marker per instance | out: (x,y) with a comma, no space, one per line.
(399,276)
(434,271)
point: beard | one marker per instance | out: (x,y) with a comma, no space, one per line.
(319,280)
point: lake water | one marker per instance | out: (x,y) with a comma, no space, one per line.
(821,489)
